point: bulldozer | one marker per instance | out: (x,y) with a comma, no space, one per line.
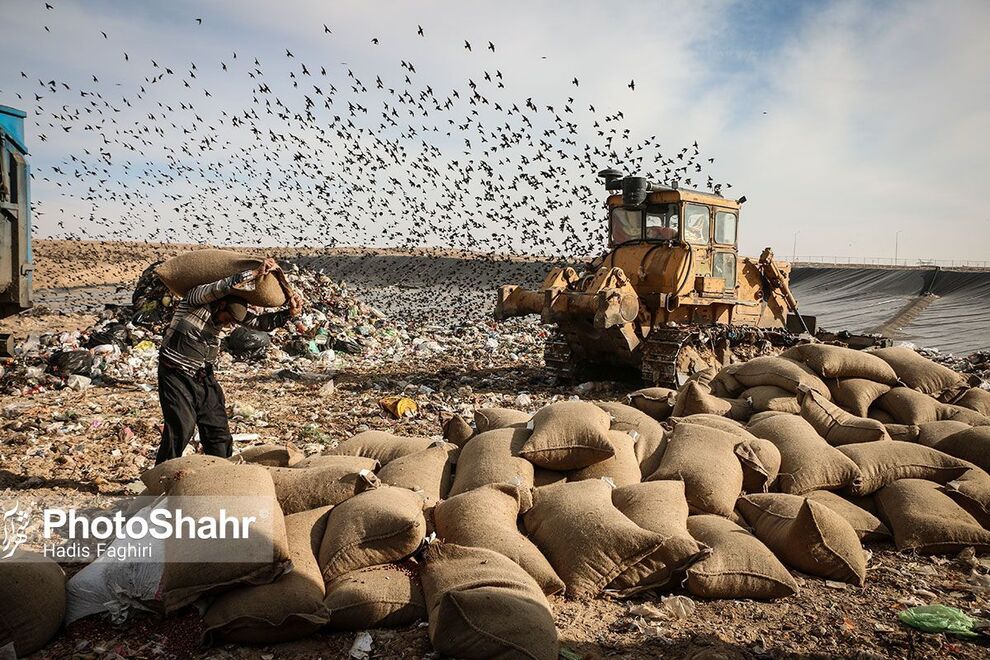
(670,297)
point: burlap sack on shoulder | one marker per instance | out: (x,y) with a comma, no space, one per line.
(427,471)
(836,425)
(286,455)
(660,507)
(381,446)
(975,398)
(770,397)
(568,435)
(739,566)
(971,491)
(377,526)
(190,269)
(622,468)
(32,601)
(649,435)
(587,540)
(883,463)
(841,362)
(487,517)
(160,478)
(302,489)
(780,372)
(289,608)
(352,463)
(694,400)
(386,596)
(455,429)
(489,419)
(493,457)
(918,372)
(926,520)
(482,605)
(807,535)
(971,445)
(193,567)
(705,460)
(807,462)
(856,395)
(868,527)
(657,402)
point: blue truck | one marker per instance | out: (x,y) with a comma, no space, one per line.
(15,218)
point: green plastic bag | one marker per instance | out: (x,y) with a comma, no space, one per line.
(939,618)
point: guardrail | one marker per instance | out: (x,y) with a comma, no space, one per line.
(886,261)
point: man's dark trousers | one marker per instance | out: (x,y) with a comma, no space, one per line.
(191,402)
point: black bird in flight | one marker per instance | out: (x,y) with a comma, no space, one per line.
(632,85)
(419,31)
(467,45)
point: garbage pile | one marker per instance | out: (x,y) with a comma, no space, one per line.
(718,490)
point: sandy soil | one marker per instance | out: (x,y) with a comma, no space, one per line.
(74,444)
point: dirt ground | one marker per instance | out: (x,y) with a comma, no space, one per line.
(73,444)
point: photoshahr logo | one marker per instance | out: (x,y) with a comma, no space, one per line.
(15,524)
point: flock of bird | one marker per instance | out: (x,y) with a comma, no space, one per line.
(331,155)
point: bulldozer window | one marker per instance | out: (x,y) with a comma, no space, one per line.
(725,228)
(627,225)
(697,223)
(662,223)
(724,266)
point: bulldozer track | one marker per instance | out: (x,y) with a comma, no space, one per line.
(559,358)
(660,352)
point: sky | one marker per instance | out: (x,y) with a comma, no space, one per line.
(850,127)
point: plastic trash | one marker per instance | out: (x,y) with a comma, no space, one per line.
(66,363)
(247,343)
(399,406)
(939,618)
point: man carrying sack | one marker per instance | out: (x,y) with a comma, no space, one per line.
(190,395)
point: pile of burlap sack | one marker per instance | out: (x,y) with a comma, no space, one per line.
(779,463)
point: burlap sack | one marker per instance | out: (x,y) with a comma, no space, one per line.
(649,435)
(766,414)
(739,566)
(386,596)
(489,419)
(703,378)
(883,463)
(971,491)
(286,455)
(289,608)
(568,435)
(543,477)
(780,372)
(377,526)
(924,519)
(725,384)
(191,269)
(487,517)
(353,463)
(868,527)
(240,489)
(586,539)
(705,460)
(856,394)
(455,429)
(160,478)
(32,601)
(905,432)
(493,457)
(907,406)
(427,471)
(483,605)
(381,446)
(760,461)
(836,425)
(807,462)
(710,421)
(807,535)
(770,397)
(931,433)
(840,362)
(694,400)
(920,373)
(622,468)
(302,489)
(657,402)
(660,507)
(975,398)
(971,445)
(881,416)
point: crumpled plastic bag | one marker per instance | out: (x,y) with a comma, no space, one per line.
(939,618)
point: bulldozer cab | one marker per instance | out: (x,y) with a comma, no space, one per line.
(15,215)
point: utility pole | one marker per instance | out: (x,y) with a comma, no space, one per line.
(794,248)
